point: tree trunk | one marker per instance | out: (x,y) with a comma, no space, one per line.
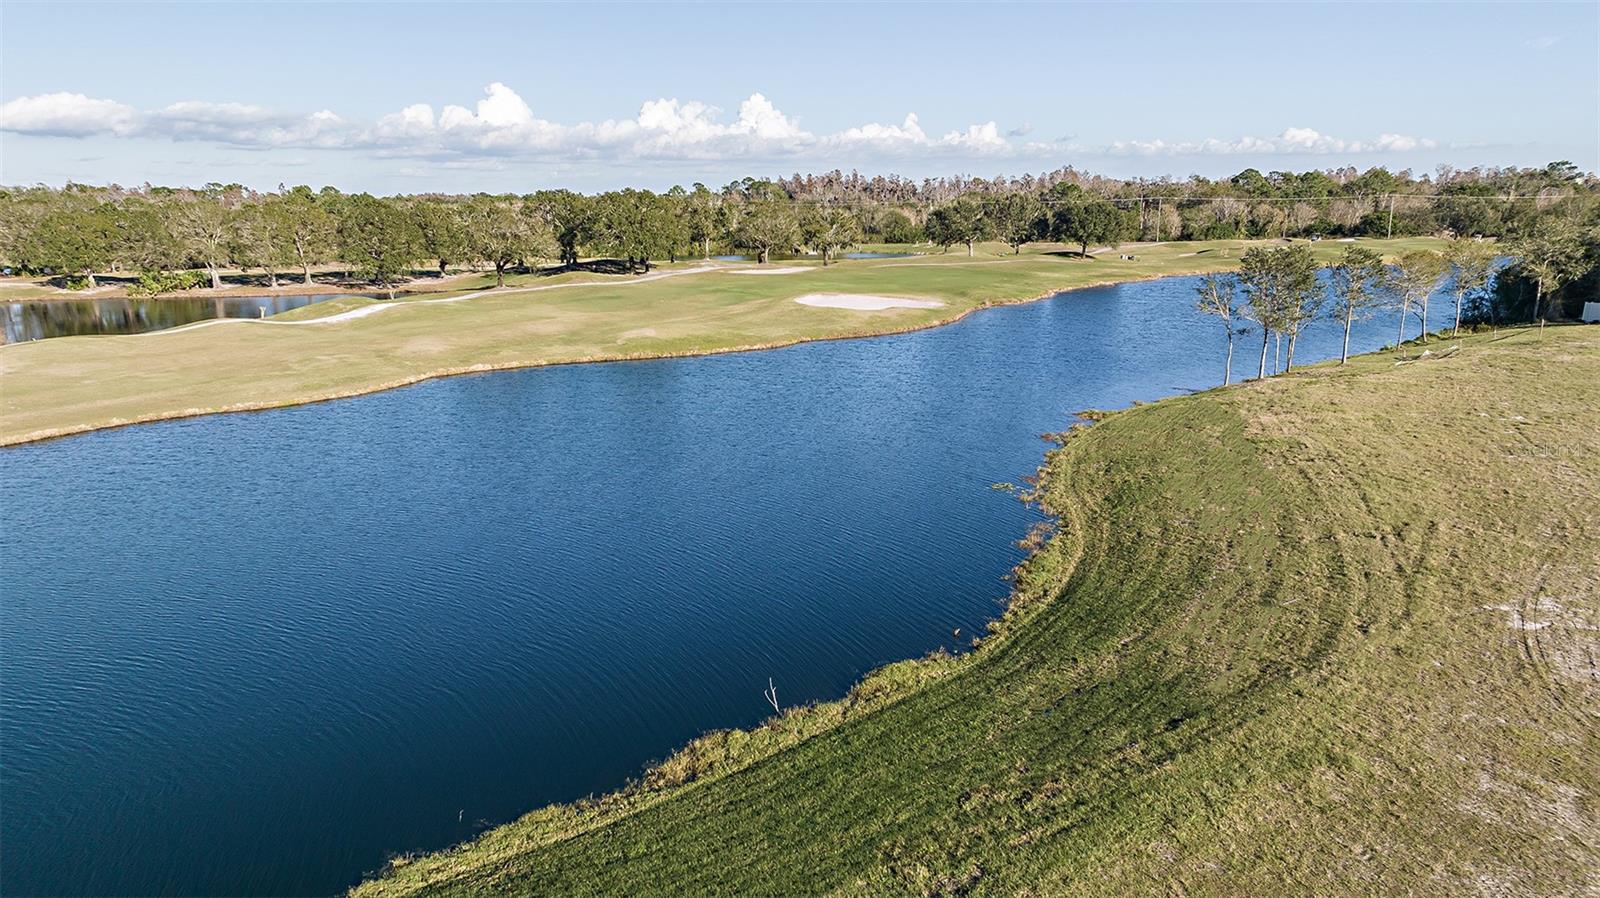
(1289,362)
(1457,331)
(272,278)
(216,279)
(92,283)
(1277,352)
(499,274)
(1405,309)
(761,256)
(969,248)
(707,256)
(1265,337)
(1227,371)
(306,267)
(1424,319)
(1344,354)
(1083,249)
(441,267)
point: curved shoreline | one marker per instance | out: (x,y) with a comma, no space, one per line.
(56,433)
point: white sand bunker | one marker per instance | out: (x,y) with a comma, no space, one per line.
(791,269)
(865,303)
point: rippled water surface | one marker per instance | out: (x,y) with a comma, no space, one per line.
(260,653)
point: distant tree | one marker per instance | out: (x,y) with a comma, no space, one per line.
(204,228)
(704,219)
(444,233)
(637,225)
(74,240)
(894,226)
(569,216)
(377,239)
(1471,263)
(308,226)
(497,231)
(1085,220)
(1218,294)
(765,225)
(1015,218)
(143,242)
(1413,279)
(1302,217)
(826,229)
(959,221)
(1356,285)
(259,238)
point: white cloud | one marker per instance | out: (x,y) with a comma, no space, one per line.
(502,124)
(67,115)
(1294,141)
(1543,42)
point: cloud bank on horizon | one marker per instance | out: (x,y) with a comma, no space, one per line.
(503,125)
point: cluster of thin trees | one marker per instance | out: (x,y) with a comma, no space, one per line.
(1279,292)
(176,238)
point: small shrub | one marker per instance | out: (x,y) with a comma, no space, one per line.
(151,283)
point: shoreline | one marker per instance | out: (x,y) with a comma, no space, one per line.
(40,436)
(1041,580)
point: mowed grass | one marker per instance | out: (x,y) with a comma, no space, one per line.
(66,385)
(1333,633)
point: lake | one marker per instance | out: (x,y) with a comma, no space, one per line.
(41,319)
(259,653)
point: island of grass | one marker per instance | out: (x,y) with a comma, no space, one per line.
(72,384)
(1332,633)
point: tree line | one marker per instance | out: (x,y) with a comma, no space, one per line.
(1277,290)
(177,238)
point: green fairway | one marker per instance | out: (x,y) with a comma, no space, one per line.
(1332,633)
(71,384)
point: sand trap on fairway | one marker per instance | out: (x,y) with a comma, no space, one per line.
(792,269)
(864,303)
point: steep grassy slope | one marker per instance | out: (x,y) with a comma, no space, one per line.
(1336,630)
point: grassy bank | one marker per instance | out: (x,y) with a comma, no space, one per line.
(1332,633)
(72,384)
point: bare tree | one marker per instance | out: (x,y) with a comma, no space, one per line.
(1218,297)
(771,693)
(1472,263)
(1414,278)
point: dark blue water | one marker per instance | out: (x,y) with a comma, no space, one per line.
(42,319)
(257,654)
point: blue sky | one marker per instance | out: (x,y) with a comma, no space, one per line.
(457,97)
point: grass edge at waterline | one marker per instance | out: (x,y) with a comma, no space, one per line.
(1272,624)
